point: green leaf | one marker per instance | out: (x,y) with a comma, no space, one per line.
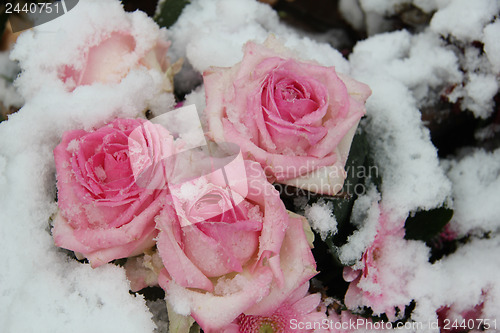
(360,172)
(424,225)
(169,11)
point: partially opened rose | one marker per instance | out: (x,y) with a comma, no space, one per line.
(297,119)
(111,59)
(229,247)
(104,213)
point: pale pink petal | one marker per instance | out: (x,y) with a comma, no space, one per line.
(297,263)
(279,166)
(101,64)
(182,270)
(293,117)
(208,254)
(214,312)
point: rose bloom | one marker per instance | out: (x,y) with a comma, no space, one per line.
(104,213)
(297,119)
(450,317)
(230,247)
(371,283)
(112,58)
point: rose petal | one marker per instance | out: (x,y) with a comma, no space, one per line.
(101,64)
(298,265)
(213,312)
(179,267)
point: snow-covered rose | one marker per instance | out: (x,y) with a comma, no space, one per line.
(104,213)
(112,58)
(297,119)
(373,282)
(222,259)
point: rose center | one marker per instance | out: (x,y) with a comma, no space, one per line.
(121,156)
(289,94)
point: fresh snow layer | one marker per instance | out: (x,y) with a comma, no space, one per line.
(320,216)
(400,69)
(467,278)
(476,192)
(464,19)
(43,290)
(491,44)
(406,72)
(212,33)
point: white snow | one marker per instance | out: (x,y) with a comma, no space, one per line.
(406,71)
(43,290)
(476,192)
(385,7)
(464,19)
(212,33)
(407,160)
(491,45)
(462,280)
(365,214)
(62,42)
(320,216)
(481,89)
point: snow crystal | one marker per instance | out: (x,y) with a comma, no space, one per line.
(476,191)
(464,19)
(475,268)
(406,158)
(179,299)
(320,216)
(212,33)
(480,90)
(365,214)
(491,45)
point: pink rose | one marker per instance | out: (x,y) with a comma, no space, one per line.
(104,214)
(222,259)
(372,282)
(296,119)
(448,315)
(111,59)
